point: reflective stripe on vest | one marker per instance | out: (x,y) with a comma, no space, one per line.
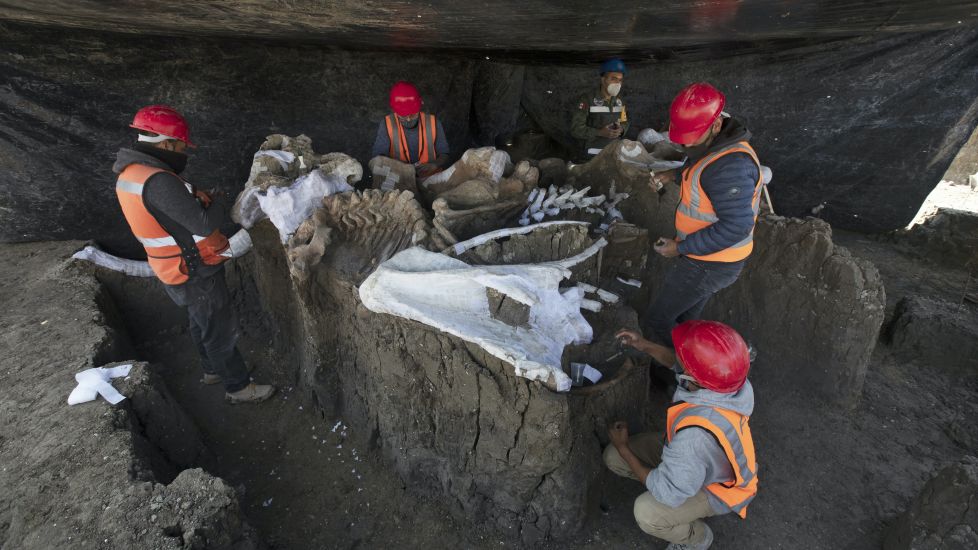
(605,109)
(427,135)
(163,252)
(695,211)
(732,432)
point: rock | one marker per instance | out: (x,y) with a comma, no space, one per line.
(944,516)
(938,334)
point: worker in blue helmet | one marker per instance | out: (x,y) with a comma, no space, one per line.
(600,117)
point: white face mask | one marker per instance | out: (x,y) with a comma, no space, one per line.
(614,88)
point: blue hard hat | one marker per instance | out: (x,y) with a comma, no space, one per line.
(614,65)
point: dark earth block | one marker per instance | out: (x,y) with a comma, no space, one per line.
(944,515)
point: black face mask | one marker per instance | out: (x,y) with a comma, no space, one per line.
(176,161)
(411,124)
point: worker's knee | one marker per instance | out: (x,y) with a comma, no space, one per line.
(613,459)
(652,516)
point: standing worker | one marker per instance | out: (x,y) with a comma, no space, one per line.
(410,135)
(179,228)
(705,465)
(718,206)
(600,117)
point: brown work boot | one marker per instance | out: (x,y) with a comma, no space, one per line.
(252,393)
(210,379)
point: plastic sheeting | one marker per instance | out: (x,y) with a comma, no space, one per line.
(866,125)
(450,295)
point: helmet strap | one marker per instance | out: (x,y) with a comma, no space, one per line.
(153,139)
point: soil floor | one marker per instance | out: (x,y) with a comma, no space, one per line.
(830,478)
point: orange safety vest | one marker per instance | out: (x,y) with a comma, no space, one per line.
(695,211)
(733,434)
(164,254)
(427,134)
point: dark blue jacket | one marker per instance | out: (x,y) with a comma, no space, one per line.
(729,183)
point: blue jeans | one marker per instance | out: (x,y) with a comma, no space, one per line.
(687,287)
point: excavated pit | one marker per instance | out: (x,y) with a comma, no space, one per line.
(516,457)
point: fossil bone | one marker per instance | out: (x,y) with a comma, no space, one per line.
(452,296)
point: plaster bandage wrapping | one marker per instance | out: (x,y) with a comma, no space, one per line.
(450,295)
(95,382)
(101,258)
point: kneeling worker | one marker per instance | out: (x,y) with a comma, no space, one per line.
(704,465)
(179,228)
(410,135)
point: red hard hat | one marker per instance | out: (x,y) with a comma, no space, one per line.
(693,111)
(163,120)
(405,99)
(712,353)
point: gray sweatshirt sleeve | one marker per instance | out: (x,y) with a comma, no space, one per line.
(684,468)
(167,195)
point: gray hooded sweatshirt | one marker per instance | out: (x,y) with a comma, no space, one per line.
(694,459)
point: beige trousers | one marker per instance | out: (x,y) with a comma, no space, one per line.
(681,525)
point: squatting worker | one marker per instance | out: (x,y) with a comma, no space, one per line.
(178,227)
(718,206)
(600,117)
(411,135)
(704,463)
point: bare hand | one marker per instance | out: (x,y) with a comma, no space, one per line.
(667,248)
(425,170)
(204,198)
(618,434)
(611,131)
(630,338)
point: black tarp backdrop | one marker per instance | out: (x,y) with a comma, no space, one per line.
(865,125)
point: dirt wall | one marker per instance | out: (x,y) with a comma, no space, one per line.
(452,420)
